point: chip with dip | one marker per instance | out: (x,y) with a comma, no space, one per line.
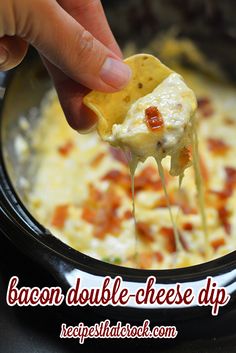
(151,116)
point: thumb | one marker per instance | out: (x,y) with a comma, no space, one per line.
(66,44)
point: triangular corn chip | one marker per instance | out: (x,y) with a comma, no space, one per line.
(111,108)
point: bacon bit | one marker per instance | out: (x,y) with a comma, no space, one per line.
(184,157)
(59,216)
(162,202)
(128,214)
(188,210)
(158,256)
(153,118)
(118,155)
(120,178)
(188,226)
(230,184)
(223,215)
(169,236)
(205,107)
(144,230)
(65,149)
(217,146)
(217,243)
(221,195)
(88,214)
(102,212)
(216,199)
(97,160)
(95,194)
(230,176)
(145,260)
(147,179)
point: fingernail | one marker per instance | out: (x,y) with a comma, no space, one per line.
(3,55)
(115,73)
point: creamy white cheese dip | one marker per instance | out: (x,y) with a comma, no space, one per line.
(177,104)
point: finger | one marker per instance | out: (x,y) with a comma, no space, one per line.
(71,94)
(12,52)
(65,43)
(78,115)
(91,16)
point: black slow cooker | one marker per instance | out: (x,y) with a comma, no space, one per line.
(23,89)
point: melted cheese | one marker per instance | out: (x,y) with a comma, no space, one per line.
(177,105)
(200,189)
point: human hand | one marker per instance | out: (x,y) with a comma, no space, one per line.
(75,43)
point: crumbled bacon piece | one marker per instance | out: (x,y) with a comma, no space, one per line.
(147,179)
(217,146)
(158,256)
(169,236)
(217,243)
(230,184)
(128,214)
(184,157)
(223,215)
(95,194)
(88,214)
(65,149)
(101,210)
(118,155)
(230,176)
(187,226)
(162,202)
(144,230)
(120,178)
(97,160)
(205,107)
(222,195)
(59,216)
(154,119)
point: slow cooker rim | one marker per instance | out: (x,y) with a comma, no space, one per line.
(11,202)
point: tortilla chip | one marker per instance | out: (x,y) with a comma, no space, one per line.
(111,108)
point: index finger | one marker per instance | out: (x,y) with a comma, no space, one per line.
(90,14)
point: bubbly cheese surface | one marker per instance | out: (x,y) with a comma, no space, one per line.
(176,104)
